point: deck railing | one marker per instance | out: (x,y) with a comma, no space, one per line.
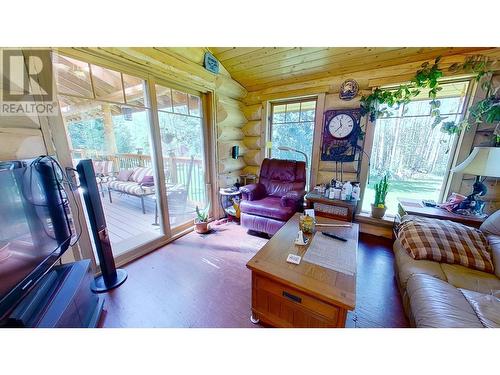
(176,169)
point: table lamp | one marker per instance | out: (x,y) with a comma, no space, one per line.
(483,161)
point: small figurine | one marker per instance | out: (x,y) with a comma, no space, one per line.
(300,240)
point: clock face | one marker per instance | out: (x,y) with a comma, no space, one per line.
(341,126)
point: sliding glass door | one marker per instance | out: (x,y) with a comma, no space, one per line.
(106,120)
(180,117)
(144,161)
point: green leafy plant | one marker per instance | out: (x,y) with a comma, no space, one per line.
(202,215)
(381,101)
(381,189)
(486,111)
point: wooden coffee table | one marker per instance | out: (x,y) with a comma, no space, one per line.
(303,295)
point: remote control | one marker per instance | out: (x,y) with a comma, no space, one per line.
(429,203)
(334,236)
(292,258)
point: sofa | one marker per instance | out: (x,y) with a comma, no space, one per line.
(132,182)
(441,295)
(267,205)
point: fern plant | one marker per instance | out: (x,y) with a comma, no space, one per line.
(202,215)
(381,189)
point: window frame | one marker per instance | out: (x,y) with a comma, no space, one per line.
(454,147)
(268,133)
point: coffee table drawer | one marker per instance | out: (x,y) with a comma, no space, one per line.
(293,295)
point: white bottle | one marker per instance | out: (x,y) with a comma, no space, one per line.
(337,193)
(331,194)
(347,190)
(356,192)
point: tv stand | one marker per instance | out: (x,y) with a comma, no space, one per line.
(62,298)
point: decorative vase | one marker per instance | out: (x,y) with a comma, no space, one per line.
(201,226)
(306,224)
(378,212)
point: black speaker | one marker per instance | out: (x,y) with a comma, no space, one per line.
(235,152)
(111,277)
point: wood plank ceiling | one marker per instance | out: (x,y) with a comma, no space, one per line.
(259,68)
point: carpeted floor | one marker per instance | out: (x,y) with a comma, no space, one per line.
(201,281)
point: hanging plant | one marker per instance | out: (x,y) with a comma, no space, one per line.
(381,102)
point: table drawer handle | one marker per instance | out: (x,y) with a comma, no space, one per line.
(292,297)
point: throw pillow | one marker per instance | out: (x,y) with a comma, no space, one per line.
(124,175)
(147,181)
(445,241)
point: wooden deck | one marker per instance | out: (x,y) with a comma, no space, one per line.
(128,226)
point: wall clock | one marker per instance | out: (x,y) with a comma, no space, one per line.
(348,90)
(341,129)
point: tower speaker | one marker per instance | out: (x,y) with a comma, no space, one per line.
(110,277)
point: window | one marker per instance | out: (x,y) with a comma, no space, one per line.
(292,126)
(415,154)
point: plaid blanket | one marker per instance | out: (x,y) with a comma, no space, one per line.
(445,241)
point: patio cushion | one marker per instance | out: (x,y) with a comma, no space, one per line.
(124,174)
(139,173)
(148,181)
(131,188)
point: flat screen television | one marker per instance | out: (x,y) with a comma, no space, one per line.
(34,226)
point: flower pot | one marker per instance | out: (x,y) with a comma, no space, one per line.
(378,212)
(201,226)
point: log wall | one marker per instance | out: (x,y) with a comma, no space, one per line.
(230,121)
(253,139)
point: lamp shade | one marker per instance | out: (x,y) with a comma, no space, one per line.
(483,161)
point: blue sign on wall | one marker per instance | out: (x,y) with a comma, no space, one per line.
(210,63)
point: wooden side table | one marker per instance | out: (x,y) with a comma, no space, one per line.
(417,208)
(226,201)
(332,208)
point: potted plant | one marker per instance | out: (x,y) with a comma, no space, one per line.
(378,207)
(201,220)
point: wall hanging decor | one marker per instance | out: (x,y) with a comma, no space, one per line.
(210,63)
(341,131)
(348,90)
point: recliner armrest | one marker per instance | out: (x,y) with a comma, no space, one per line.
(253,192)
(293,198)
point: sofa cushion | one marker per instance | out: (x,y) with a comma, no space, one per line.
(463,277)
(268,207)
(436,304)
(492,224)
(494,241)
(445,241)
(407,266)
(486,307)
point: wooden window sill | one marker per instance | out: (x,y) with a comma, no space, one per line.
(365,218)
